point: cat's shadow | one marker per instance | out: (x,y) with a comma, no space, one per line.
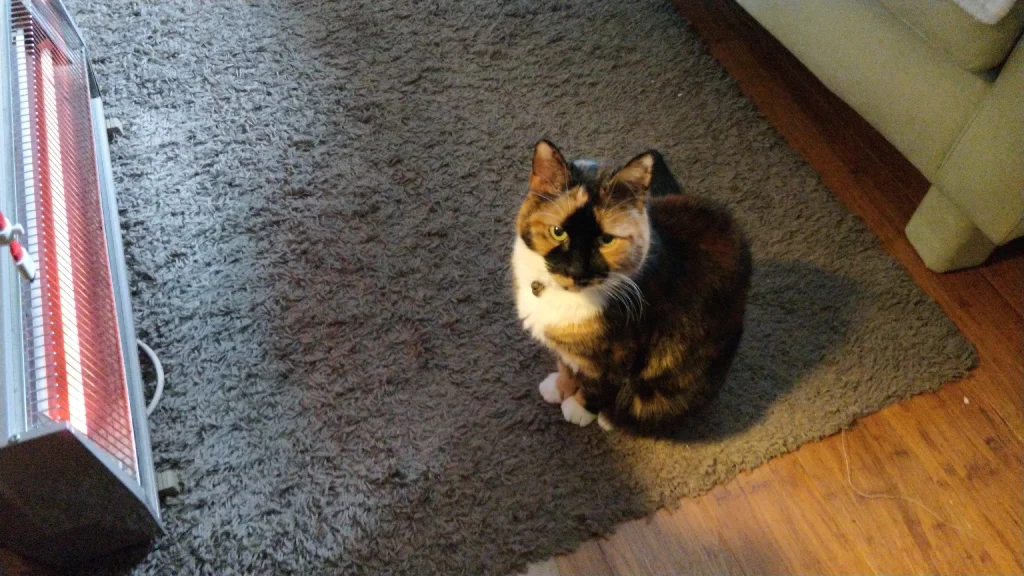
(798,314)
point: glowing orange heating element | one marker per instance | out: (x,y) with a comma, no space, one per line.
(76,369)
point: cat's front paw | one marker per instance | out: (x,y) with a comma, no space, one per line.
(549,389)
(575,412)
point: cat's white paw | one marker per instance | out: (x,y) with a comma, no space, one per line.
(549,389)
(605,423)
(574,412)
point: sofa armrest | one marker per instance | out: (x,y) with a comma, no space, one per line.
(983,173)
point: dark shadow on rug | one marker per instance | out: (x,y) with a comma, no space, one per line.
(790,329)
(317,199)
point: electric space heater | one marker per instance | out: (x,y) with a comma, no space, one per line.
(76,471)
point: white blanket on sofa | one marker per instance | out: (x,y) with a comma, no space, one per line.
(987,11)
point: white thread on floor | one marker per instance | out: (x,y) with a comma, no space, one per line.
(885,496)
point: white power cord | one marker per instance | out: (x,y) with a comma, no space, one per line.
(168,482)
(159,376)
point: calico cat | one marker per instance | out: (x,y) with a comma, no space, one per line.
(639,289)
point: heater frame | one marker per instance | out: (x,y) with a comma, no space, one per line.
(20,442)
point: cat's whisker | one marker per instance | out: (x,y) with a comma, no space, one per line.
(638,292)
(612,291)
(634,304)
(630,287)
(623,294)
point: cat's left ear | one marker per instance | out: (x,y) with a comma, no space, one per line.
(633,181)
(550,171)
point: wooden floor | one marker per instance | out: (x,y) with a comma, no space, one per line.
(932,485)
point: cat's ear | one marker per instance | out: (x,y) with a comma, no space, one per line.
(550,171)
(633,181)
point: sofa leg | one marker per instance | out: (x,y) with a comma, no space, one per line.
(944,236)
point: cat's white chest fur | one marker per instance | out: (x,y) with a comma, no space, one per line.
(554,306)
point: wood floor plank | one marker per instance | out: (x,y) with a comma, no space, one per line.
(641,549)
(950,536)
(988,469)
(1006,273)
(805,551)
(904,451)
(798,499)
(744,531)
(712,555)
(875,525)
(666,544)
(587,560)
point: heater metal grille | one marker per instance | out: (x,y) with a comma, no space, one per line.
(74,365)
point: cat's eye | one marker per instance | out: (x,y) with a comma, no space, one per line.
(559,233)
(606,239)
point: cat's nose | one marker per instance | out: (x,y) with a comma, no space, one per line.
(576,270)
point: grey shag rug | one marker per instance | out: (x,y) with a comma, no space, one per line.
(317,200)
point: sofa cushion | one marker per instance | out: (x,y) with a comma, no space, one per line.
(947,27)
(918,98)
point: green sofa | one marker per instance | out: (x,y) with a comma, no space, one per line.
(944,88)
